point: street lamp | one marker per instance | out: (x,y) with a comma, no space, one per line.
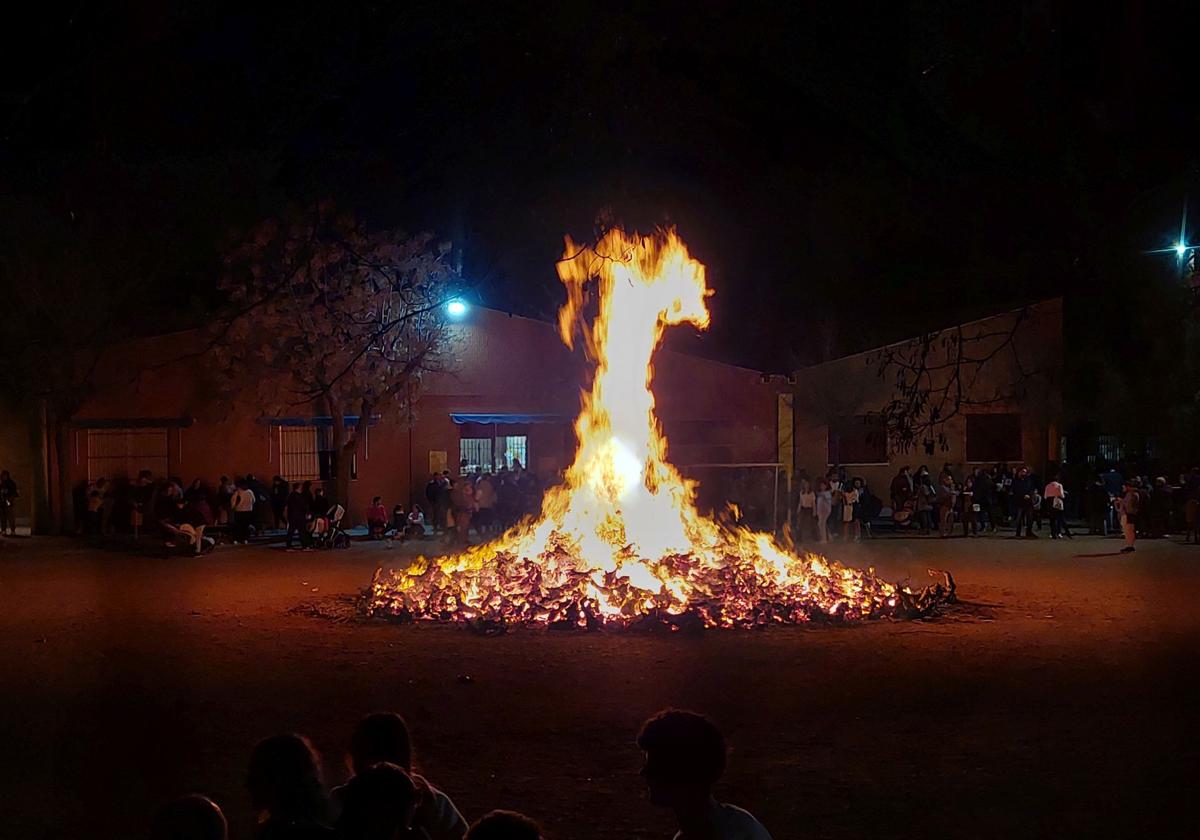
(456,308)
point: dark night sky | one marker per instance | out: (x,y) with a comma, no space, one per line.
(842,167)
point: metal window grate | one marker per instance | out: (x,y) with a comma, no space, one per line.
(475,453)
(298,454)
(123,453)
(511,449)
(306,453)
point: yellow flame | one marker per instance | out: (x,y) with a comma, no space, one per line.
(621,535)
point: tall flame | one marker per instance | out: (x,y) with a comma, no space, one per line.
(620,540)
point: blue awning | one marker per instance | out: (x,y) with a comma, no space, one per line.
(508,419)
(351,420)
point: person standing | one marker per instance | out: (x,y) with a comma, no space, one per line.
(806,512)
(485,500)
(463,502)
(946,496)
(851,507)
(297,516)
(970,509)
(1022,494)
(902,488)
(1055,497)
(241,505)
(1129,506)
(279,498)
(925,494)
(824,507)
(8,503)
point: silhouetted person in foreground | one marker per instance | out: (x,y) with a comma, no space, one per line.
(379,804)
(191,817)
(684,758)
(384,737)
(284,781)
(504,825)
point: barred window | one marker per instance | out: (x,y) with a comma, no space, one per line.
(474,453)
(306,453)
(123,453)
(511,449)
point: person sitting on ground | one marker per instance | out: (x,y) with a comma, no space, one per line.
(384,737)
(377,523)
(504,825)
(286,789)
(187,525)
(192,817)
(684,758)
(379,804)
(415,525)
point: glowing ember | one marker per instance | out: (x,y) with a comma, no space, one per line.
(620,541)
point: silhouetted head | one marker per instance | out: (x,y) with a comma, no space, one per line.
(504,825)
(284,779)
(376,500)
(4,475)
(379,804)
(684,757)
(381,736)
(191,817)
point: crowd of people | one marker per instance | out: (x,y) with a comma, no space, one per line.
(385,798)
(982,500)
(241,506)
(489,502)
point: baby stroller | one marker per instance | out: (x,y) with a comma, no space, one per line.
(327,531)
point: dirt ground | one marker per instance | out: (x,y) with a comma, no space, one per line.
(1061,701)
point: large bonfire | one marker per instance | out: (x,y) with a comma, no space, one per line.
(620,542)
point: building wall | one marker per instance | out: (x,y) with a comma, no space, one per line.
(501,364)
(852,386)
(18,457)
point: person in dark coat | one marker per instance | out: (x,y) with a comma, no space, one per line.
(8,503)
(279,499)
(297,509)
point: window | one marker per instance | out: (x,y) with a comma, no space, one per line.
(475,453)
(511,449)
(993,437)
(306,453)
(1109,448)
(123,453)
(861,439)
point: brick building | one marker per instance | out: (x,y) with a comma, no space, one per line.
(827,415)
(512,394)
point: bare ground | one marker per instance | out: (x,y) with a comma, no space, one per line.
(1060,700)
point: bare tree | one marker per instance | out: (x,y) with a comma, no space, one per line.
(940,375)
(324,314)
(69,284)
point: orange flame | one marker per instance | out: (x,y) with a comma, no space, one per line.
(620,540)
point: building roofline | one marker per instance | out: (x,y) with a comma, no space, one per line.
(553,326)
(1032,305)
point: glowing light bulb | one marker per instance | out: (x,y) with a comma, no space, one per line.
(456,309)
